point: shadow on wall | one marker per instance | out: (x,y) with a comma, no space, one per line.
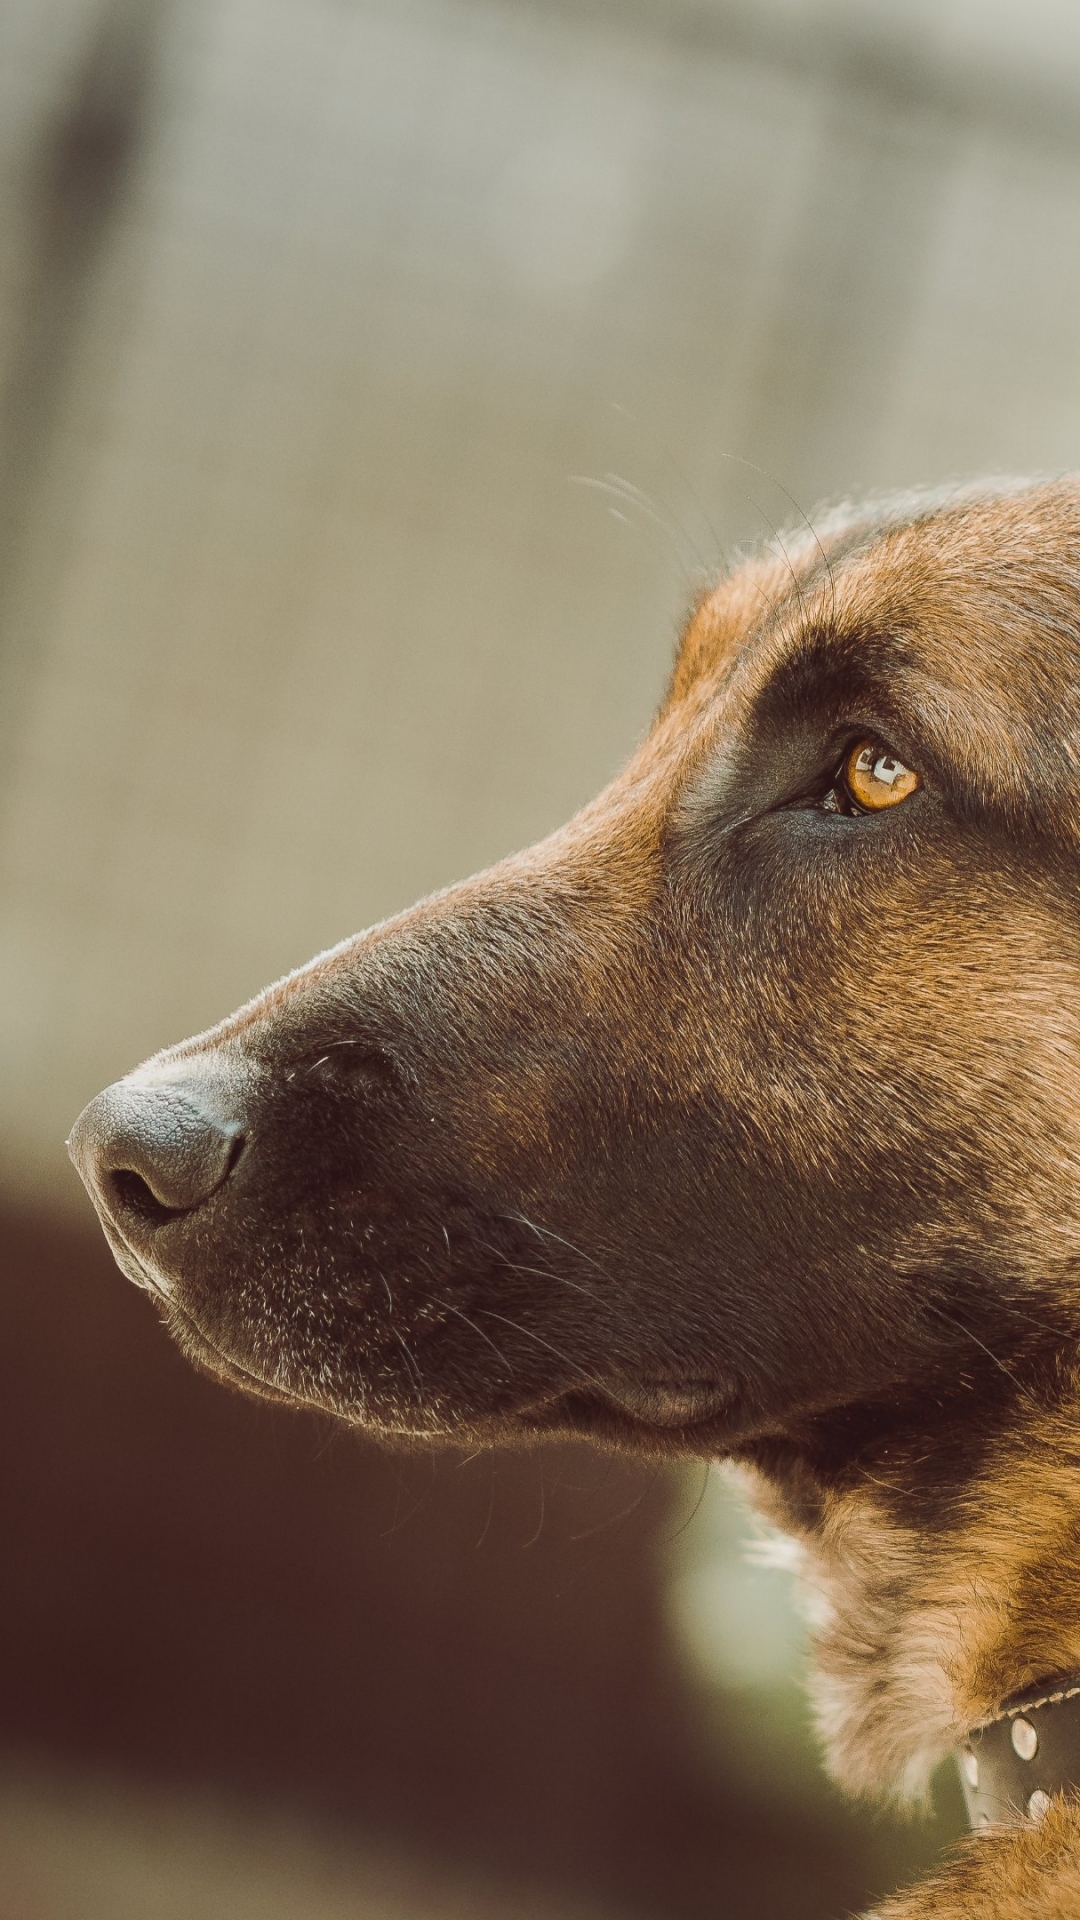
(465,1661)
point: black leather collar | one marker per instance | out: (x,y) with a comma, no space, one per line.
(1011,1765)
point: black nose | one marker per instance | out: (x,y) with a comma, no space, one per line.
(158,1145)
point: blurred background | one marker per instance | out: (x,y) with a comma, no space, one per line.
(377,380)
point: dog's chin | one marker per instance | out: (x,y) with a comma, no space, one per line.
(645,1418)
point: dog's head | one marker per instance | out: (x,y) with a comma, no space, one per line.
(739,1114)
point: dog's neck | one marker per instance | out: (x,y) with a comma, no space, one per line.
(923,1626)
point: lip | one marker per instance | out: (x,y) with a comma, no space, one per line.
(132,1264)
(651,1417)
(661,1403)
(205,1355)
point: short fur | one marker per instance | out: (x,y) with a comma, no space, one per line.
(723,1123)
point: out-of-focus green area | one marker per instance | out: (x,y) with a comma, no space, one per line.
(378,381)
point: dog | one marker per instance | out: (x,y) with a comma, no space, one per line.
(740,1118)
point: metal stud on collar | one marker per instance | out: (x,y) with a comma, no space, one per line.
(1025,1740)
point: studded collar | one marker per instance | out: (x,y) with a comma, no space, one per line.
(1012,1764)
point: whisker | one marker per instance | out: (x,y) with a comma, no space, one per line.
(778,538)
(589,1379)
(491,1503)
(679,473)
(411,1362)
(543,1511)
(630,496)
(962,1327)
(636,496)
(695,1509)
(499,1355)
(887,1486)
(738,460)
(545,1273)
(401,1520)
(549,1233)
(654,545)
(1043,1326)
(617,1520)
(541,1273)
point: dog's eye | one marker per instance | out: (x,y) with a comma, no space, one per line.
(870,779)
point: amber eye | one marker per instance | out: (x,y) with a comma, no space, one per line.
(874,778)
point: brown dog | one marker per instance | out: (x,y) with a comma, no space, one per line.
(738,1118)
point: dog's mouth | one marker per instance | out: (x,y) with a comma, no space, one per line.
(399,1388)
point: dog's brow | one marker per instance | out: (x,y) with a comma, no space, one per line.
(815,654)
(819,671)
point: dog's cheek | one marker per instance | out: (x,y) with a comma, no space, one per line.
(905,1048)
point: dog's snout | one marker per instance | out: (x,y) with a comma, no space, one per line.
(156,1148)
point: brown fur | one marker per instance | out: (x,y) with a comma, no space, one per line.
(1003,1876)
(719,1123)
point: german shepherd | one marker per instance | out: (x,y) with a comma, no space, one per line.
(740,1118)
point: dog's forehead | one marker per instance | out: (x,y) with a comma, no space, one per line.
(963,613)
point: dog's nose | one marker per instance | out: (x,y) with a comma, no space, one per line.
(156,1146)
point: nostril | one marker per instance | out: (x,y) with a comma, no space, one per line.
(239,1142)
(154,1149)
(136,1195)
(133,1195)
